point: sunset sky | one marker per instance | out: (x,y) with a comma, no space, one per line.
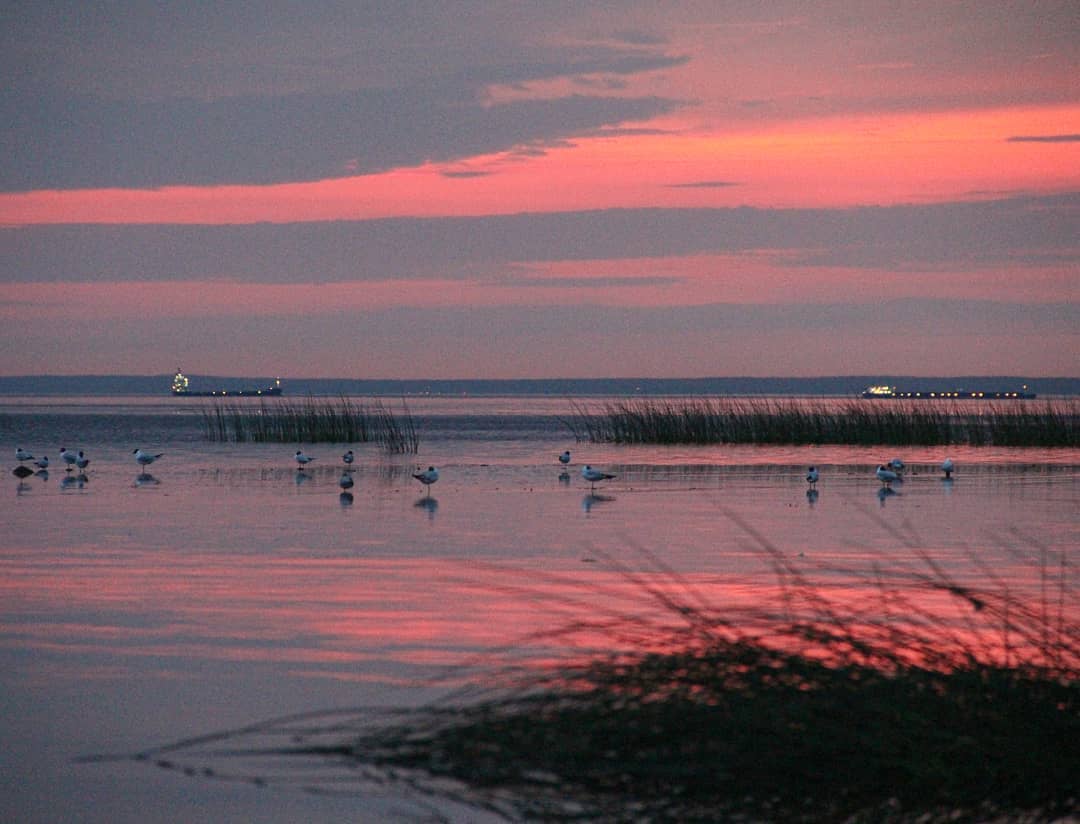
(540,189)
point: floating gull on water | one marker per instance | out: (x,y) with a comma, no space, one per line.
(564,458)
(145,458)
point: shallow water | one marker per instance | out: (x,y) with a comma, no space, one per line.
(224,587)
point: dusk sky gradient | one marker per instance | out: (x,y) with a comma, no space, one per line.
(540,189)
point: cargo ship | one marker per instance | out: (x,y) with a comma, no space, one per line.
(181,389)
(887,392)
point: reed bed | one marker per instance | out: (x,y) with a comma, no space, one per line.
(312,421)
(791,421)
(923,700)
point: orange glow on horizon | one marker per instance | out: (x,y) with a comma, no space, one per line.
(828,162)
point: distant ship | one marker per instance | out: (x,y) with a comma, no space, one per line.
(885,392)
(180,389)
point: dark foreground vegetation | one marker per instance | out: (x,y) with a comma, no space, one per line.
(311,421)
(919,699)
(796,421)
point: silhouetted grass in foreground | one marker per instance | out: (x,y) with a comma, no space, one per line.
(920,699)
(311,421)
(860,422)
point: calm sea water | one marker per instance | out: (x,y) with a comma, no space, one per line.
(223,587)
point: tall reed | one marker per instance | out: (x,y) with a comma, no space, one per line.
(790,421)
(911,698)
(312,420)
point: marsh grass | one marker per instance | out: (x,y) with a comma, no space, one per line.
(902,695)
(795,421)
(311,420)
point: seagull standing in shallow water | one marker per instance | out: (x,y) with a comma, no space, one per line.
(428,477)
(885,475)
(812,475)
(69,457)
(564,458)
(145,458)
(348,458)
(947,467)
(302,460)
(22,455)
(42,462)
(594,476)
(82,461)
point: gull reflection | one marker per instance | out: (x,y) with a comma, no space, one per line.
(302,477)
(884,493)
(430,504)
(43,474)
(345,499)
(22,487)
(146,479)
(811,496)
(947,485)
(564,478)
(74,481)
(592,499)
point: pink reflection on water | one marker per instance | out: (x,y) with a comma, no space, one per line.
(345,615)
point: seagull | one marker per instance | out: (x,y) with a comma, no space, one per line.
(564,458)
(348,458)
(896,465)
(886,475)
(302,460)
(594,475)
(145,458)
(82,461)
(345,481)
(22,455)
(947,467)
(812,475)
(69,457)
(427,478)
(42,462)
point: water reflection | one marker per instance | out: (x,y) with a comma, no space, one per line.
(302,477)
(947,485)
(593,499)
(430,504)
(886,492)
(43,474)
(146,479)
(74,481)
(564,478)
(811,496)
(345,499)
